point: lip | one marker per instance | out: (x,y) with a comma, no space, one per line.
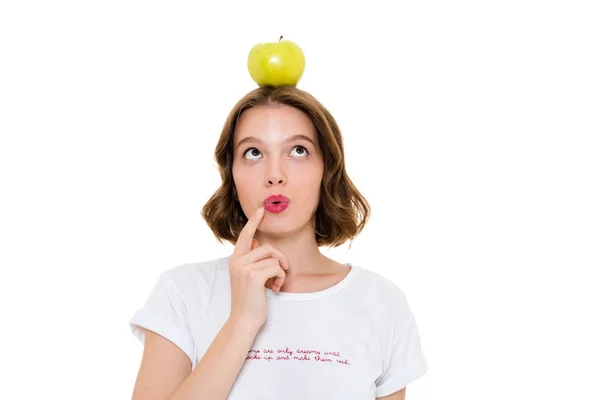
(282,203)
(279,198)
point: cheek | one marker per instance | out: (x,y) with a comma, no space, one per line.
(245,185)
(311,187)
(243,179)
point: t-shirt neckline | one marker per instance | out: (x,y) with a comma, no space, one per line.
(316,295)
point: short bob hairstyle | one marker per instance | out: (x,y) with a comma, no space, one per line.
(342,211)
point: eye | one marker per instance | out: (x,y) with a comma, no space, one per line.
(304,151)
(251,148)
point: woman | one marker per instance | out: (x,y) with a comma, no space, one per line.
(277,319)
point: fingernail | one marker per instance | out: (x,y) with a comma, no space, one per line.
(259,211)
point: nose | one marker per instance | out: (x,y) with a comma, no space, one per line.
(278,180)
(275,174)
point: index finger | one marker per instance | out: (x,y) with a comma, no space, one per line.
(243,244)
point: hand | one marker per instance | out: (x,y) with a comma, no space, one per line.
(250,267)
(270,283)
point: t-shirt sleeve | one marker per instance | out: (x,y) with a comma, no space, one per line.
(405,361)
(165,312)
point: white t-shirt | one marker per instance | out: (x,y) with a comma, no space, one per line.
(355,340)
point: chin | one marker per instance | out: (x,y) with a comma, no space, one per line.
(282,226)
(273,228)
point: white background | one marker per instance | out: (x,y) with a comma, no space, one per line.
(470,127)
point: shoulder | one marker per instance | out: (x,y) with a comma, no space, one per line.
(385,294)
(190,278)
(382,287)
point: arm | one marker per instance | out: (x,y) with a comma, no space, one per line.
(399,395)
(165,371)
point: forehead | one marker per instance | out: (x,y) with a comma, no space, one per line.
(273,123)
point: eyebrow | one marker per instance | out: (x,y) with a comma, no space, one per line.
(252,139)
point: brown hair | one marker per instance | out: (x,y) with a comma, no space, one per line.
(342,211)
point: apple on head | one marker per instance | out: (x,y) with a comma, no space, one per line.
(276,63)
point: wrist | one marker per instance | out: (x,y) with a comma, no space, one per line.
(244,325)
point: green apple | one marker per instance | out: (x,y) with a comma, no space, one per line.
(276,63)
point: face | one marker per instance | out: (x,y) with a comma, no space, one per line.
(270,159)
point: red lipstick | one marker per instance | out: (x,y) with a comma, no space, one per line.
(276,203)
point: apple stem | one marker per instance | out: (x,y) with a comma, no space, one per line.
(280,37)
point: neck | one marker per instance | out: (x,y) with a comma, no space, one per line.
(301,250)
